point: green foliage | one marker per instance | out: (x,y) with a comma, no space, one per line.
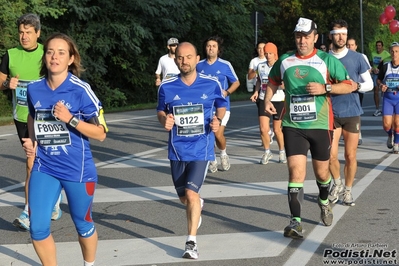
(5,104)
(121,41)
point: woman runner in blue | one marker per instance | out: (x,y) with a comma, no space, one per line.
(63,114)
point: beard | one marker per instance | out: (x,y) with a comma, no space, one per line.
(186,69)
(339,46)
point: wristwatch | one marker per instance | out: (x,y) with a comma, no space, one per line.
(328,87)
(74,122)
(359,86)
(6,84)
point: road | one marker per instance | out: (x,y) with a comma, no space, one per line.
(140,221)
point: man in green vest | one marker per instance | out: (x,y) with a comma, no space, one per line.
(20,66)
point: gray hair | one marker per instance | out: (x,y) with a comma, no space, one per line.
(30,19)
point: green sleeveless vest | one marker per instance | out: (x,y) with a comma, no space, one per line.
(27,66)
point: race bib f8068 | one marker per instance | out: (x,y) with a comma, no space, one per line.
(49,131)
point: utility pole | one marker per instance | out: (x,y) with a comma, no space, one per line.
(256,20)
(361,26)
(256,27)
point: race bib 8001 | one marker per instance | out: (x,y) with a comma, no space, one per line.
(303,108)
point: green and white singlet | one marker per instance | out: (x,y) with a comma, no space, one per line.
(302,110)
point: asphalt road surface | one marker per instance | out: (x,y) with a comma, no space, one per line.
(140,220)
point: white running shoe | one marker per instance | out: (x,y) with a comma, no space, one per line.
(224,161)
(22,221)
(191,250)
(335,192)
(57,212)
(213,166)
(266,157)
(390,142)
(377,112)
(348,199)
(282,157)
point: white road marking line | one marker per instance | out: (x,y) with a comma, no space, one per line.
(132,194)
(148,251)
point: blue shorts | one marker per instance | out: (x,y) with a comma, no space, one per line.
(44,191)
(188,175)
(390,103)
(375,77)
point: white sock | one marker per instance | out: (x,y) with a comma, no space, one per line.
(282,151)
(223,152)
(192,238)
(88,263)
(348,188)
(26,208)
(267,150)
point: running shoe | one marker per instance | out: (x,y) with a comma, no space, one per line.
(57,212)
(271,135)
(282,157)
(348,199)
(390,142)
(22,221)
(213,166)
(377,112)
(202,206)
(224,161)
(326,214)
(191,250)
(266,157)
(395,148)
(293,230)
(335,192)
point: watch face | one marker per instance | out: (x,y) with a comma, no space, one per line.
(74,122)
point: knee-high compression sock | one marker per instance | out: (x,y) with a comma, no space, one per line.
(396,137)
(389,131)
(324,188)
(295,199)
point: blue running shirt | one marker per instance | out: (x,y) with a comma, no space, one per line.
(62,151)
(191,138)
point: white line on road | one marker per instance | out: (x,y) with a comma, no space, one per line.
(133,194)
(147,251)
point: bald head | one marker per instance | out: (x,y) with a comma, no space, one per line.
(186,45)
(186,58)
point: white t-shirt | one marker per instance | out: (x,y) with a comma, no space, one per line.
(167,66)
(263,70)
(254,64)
(367,60)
